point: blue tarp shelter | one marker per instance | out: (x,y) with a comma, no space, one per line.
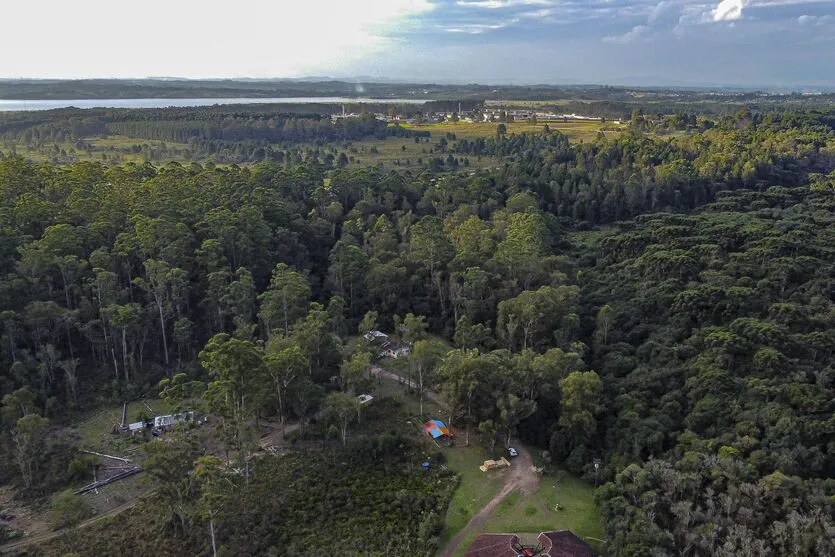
(436,429)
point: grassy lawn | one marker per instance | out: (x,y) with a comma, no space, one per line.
(536,513)
(476,489)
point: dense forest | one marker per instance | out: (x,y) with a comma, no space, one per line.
(221,134)
(665,304)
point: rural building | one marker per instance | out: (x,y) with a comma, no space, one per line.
(564,543)
(436,429)
(561,543)
(169,420)
(395,352)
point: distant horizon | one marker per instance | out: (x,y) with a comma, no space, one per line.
(636,82)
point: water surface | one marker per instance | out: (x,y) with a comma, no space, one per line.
(16,105)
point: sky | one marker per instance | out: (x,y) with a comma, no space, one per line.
(780,43)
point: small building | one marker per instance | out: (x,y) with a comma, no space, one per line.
(169,420)
(436,429)
(395,351)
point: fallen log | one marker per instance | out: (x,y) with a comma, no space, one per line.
(100,483)
(126,460)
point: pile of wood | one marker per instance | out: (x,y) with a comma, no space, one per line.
(123,470)
(493,464)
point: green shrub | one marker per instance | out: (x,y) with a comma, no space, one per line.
(68,509)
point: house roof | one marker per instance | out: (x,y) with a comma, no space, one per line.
(554,544)
(493,545)
(565,543)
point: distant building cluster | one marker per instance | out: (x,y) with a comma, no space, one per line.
(473,115)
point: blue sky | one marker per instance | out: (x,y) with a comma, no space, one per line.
(744,42)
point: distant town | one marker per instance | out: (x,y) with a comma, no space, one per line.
(477,114)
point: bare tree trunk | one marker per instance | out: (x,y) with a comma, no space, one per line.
(125,351)
(420,388)
(162,326)
(212,530)
(280,409)
(115,365)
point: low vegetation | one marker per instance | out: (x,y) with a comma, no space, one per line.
(373,499)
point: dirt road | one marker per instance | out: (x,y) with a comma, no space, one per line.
(521,477)
(380,372)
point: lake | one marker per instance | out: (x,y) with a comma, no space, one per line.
(17,105)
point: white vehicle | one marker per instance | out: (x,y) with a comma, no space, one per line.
(512,452)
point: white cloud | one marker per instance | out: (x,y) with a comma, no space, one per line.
(814,20)
(783,3)
(198,38)
(496,4)
(475,28)
(479,28)
(633,35)
(538,14)
(728,10)
(660,10)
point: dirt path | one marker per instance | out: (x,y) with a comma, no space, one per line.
(275,437)
(40,538)
(521,477)
(380,372)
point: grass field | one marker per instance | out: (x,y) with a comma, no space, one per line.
(527,516)
(537,512)
(475,490)
(576,131)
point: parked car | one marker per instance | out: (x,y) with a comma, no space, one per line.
(512,452)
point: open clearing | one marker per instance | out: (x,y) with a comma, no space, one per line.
(475,490)
(518,512)
(576,131)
